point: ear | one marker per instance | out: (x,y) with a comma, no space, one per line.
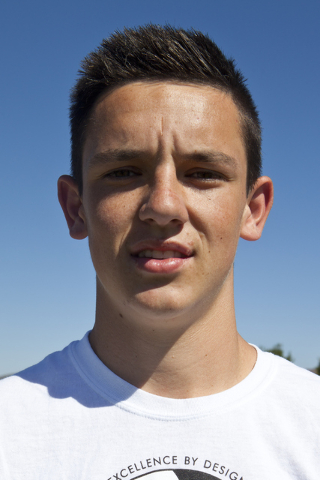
(259,203)
(72,206)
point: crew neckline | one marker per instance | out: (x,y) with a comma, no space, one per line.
(125,396)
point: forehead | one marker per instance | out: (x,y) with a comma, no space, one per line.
(145,114)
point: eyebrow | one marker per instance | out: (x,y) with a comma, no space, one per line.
(212,157)
(115,155)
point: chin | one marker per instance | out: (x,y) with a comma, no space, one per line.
(158,306)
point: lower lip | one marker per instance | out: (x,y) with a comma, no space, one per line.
(164,265)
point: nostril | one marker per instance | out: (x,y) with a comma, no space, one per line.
(163,209)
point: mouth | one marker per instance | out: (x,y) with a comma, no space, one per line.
(164,258)
(160,255)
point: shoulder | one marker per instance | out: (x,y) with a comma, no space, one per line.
(293,374)
(48,377)
(63,377)
(292,386)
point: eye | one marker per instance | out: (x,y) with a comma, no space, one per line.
(122,173)
(206,175)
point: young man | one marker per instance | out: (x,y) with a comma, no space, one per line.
(165,179)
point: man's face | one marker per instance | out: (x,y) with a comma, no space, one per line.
(164,196)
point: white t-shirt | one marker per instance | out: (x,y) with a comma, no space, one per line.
(70,417)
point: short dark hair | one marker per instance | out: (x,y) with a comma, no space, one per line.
(160,53)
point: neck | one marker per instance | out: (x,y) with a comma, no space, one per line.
(198,358)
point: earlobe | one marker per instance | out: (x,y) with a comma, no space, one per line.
(258,206)
(71,204)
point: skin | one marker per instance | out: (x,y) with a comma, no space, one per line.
(164,168)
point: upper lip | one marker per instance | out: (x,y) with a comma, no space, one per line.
(161,246)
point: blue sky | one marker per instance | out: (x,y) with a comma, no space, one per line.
(47,284)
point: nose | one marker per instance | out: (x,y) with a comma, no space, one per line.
(165,201)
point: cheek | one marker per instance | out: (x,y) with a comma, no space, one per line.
(220,216)
(109,219)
